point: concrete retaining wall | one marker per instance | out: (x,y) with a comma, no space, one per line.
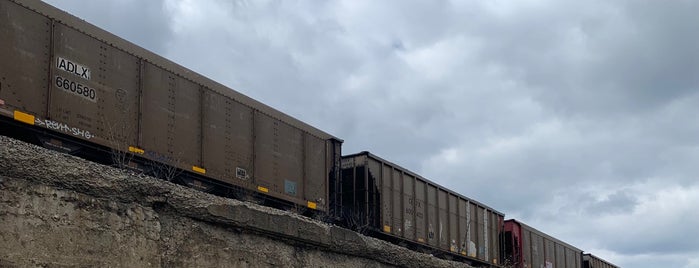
(61,211)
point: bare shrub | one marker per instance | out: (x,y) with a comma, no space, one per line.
(356,220)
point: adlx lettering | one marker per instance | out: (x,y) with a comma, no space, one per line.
(74,68)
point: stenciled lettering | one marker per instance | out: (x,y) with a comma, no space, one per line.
(76,88)
(72,67)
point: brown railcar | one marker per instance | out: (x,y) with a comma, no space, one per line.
(389,200)
(528,247)
(62,74)
(592,261)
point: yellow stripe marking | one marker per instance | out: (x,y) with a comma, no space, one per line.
(387,228)
(263,189)
(137,150)
(199,169)
(24,117)
(312,205)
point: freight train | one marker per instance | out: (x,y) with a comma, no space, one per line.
(70,86)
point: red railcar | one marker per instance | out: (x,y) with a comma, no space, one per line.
(526,247)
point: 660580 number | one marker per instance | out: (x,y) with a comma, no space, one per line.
(76,88)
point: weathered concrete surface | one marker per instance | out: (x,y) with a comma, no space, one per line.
(60,211)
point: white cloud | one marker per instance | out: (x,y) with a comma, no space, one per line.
(443,58)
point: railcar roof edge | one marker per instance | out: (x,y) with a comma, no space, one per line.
(160,61)
(544,234)
(603,260)
(371,155)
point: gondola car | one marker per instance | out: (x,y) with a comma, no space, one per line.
(525,247)
(80,89)
(592,261)
(399,205)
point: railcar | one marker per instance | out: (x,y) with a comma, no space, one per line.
(397,204)
(592,261)
(80,89)
(525,246)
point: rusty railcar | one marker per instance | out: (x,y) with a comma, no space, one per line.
(389,200)
(592,261)
(77,85)
(528,247)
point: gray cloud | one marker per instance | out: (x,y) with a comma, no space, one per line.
(615,203)
(147,25)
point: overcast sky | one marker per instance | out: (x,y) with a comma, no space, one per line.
(577,117)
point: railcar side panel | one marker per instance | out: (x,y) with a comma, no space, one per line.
(420,211)
(432,216)
(543,254)
(386,199)
(486,233)
(527,247)
(571,258)
(549,252)
(453,223)
(95,87)
(578,258)
(397,204)
(408,206)
(442,220)
(216,115)
(491,250)
(538,250)
(227,139)
(351,174)
(473,230)
(315,175)
(480,231)
(25,51)
(375,205)
(560,260)
(497,225)
(463,224)
(266,153)
(289,155)
(333,158)
(171,118)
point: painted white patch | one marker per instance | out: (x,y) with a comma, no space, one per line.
(73,68)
